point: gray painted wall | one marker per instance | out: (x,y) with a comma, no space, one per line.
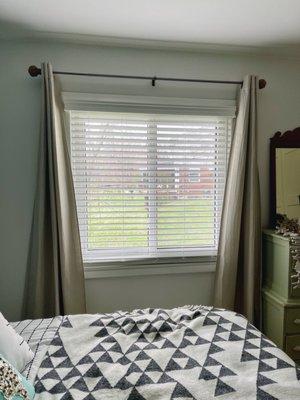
(279,109)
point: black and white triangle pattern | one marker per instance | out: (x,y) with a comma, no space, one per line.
(191,352)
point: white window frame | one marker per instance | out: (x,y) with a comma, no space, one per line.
(200,261)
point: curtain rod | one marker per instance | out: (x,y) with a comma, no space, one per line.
(34,71)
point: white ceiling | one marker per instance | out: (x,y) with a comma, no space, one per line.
(230,22)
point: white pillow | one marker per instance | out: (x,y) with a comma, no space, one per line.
(13,347)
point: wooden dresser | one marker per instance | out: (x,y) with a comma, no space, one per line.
(281,302)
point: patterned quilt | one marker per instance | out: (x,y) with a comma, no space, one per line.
(191,352)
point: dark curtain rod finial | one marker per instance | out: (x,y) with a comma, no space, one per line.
(262,83)
(34,71)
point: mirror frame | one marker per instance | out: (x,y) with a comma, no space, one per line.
(288,139)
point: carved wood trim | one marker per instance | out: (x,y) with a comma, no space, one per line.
(287,138)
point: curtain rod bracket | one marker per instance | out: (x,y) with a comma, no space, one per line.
(34,71)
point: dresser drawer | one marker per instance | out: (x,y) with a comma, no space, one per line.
(292,320)
(292,346)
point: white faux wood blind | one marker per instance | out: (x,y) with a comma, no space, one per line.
(148,185)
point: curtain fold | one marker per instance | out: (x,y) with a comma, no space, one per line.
(55,278)
(238,272)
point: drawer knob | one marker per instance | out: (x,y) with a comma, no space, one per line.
(296,348)
(297,321)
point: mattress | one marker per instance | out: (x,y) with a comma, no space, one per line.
(191,352)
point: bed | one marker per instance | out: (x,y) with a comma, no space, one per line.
(191,352)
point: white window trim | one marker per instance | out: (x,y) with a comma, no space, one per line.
(192,106)
(201,264)
(110,102)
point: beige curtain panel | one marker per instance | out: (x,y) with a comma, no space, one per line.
(55,279)
(238,274)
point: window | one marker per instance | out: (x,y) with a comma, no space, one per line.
(148,185)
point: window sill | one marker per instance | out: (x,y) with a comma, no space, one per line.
(204,264)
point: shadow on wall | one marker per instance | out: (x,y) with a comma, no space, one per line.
(10,30)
